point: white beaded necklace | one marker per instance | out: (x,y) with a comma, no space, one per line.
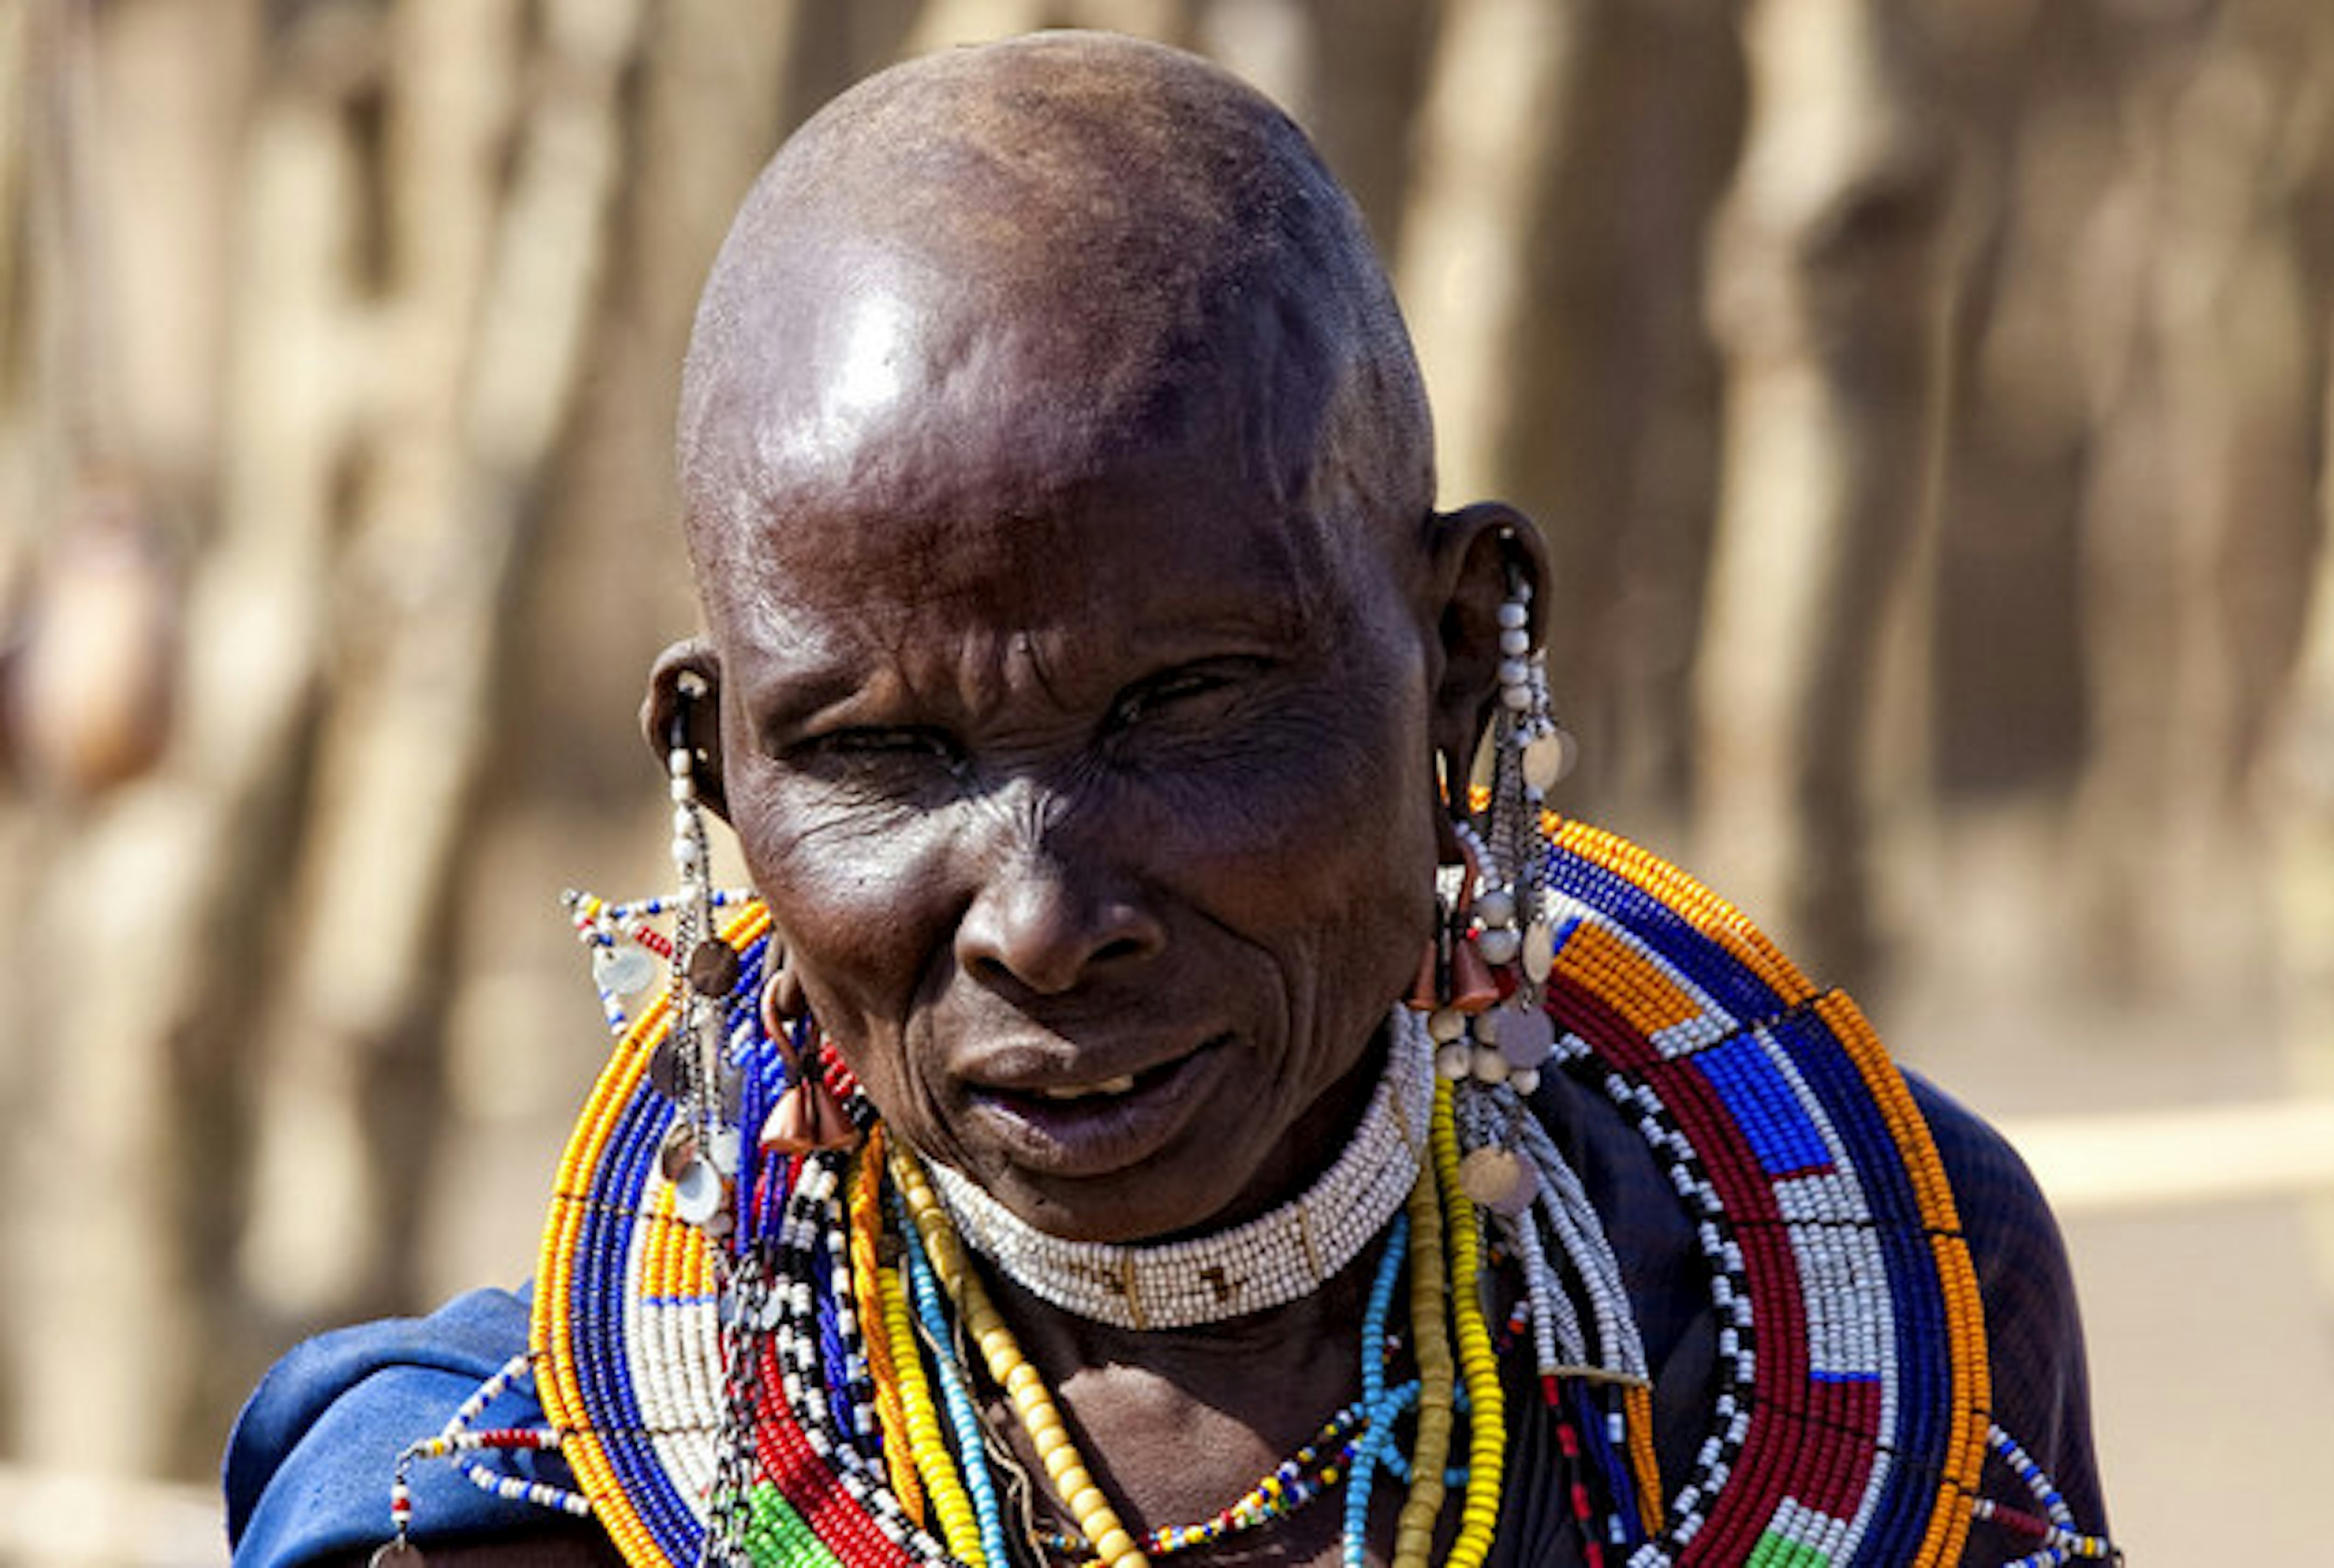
(1268,1262)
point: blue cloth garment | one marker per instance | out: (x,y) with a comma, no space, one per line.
(308,1468)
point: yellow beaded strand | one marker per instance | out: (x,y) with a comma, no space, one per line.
(551,1331)
(1413,1542)
(1479,1365)
(1097,1521)
(929,1450)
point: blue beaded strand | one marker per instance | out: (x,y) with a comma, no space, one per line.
(964,1418)
(1377,1407)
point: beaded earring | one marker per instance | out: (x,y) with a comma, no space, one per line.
(1481,982)
(701,1153)
(808,1116)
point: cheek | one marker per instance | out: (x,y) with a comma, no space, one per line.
(1329,814)
(861,911)
(1319,848)
(860,943)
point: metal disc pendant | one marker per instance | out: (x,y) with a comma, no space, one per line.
(1526,1035)
(678,1152)
(623,967)
(713,968)
(696,1193)
(1546,759)
(664,1070)
(1490,1176)
(1539,951)
(398,1554)
(1497,945)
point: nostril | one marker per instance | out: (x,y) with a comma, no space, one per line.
(1120,948)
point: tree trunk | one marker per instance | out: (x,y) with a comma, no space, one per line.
(493,284)
(1825,298)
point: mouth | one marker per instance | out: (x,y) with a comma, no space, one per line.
(1094,1126)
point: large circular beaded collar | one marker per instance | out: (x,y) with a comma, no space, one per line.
(1850,1422)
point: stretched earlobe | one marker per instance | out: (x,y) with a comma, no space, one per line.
(683,709)
(1482,553)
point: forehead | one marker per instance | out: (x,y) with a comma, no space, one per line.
(1012,529)
(903,438)
(862,372)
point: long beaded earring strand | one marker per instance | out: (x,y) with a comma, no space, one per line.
(700,1156)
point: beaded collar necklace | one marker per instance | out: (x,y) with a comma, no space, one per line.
(1848,1425)
(1273,1259)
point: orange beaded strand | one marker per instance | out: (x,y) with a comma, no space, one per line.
(867,1288)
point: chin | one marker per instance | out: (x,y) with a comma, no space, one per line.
(1137,1207)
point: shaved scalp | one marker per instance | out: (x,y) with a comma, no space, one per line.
(1094,243)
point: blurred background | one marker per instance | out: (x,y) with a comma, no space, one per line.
(1925,401)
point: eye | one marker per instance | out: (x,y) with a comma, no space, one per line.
(882,748)
(1187,690)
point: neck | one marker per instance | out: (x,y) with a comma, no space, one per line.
(1330,1313)
(1179,1422)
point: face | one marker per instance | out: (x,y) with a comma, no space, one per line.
(1088,776)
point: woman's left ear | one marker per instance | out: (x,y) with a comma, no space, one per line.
(1483,554)
(683,708)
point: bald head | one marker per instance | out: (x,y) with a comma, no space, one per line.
(1028,263)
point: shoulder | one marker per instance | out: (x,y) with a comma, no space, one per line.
(308,1467)
(2033,1326)
(2013,1238)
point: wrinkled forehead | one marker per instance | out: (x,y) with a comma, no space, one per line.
(871,367)
(989,492)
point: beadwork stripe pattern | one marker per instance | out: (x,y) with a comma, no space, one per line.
(624,1312)
(1851,1426)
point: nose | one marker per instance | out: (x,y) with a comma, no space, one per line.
(1047,924)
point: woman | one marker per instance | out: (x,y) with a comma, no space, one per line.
(1139,1114)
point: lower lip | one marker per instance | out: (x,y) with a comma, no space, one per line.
(1102,1134)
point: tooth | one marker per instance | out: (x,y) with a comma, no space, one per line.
(1118,1085)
